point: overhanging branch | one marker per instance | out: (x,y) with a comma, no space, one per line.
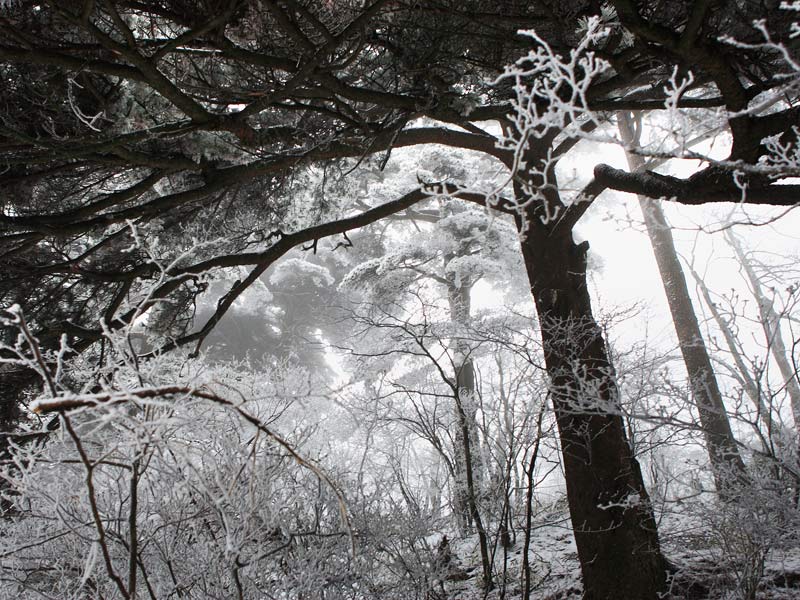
(690,191)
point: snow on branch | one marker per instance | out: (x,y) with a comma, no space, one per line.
(550,91)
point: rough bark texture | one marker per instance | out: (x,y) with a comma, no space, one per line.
(615,531)
(726,462)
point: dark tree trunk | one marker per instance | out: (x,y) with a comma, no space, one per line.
(14,383)
(531,482)
(612,517)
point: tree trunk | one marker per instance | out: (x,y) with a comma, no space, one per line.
(467,451)
(526,545)
(460,308)
(726,462)
(742,372)
(770,323)
(615,531)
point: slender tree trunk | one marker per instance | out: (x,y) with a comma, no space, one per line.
(613,522)
(434,488)
(529,473)
(726,462)
(460,308)
(770,322)
(742,373)
(467,451)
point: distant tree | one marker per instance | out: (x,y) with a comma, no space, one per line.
(770,321)
(769,393)
(726,461)
(458,247)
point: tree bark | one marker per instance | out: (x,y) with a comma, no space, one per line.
(615,530)
(726,462)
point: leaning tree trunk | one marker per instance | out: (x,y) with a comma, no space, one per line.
(771,324)
(742,373)
(726,462)
(615,531)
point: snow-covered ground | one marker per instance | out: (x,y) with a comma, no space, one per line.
(700,568)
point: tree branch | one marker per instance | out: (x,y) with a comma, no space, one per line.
(687,191)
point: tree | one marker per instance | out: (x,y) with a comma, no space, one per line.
(751,371)
(726,462)
(770,322)
(454,246)
(127,123)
